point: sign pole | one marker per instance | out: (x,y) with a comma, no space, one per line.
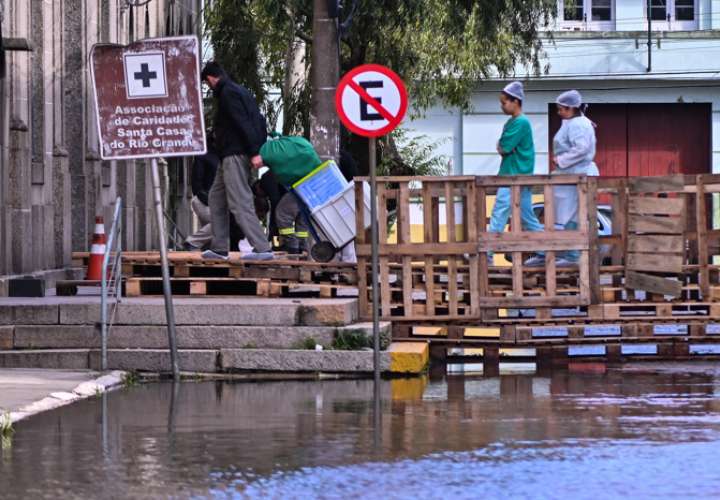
(371,101)
(167,292)
(375,265)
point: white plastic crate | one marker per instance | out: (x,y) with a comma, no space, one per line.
(320,186)
(336,218)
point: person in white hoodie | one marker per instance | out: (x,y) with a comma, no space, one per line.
(573,154)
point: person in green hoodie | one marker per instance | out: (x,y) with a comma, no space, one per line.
(517,150)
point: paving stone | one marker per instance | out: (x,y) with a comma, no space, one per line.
(337,313)
(56,337)
(216,337)
(72,359)
(25,314)
(79,314)
(6,337)
(157,360)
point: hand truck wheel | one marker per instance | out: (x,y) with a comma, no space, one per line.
(323,251)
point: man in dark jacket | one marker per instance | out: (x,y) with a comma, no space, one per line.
(203,175)
(240,131)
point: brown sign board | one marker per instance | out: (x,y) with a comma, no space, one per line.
(148,98)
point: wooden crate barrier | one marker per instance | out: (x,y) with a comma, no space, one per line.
(699,242)
(442,271)
(656,235)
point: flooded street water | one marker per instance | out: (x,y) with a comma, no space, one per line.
(641,431)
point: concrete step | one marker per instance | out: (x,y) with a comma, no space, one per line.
(158,360)
(188,337)
(280,360)
(154,360)
(68,359)
(408,358)
(248,311)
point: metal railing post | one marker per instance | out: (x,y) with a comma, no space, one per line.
(114,279)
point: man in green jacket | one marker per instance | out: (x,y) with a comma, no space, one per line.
(517,150)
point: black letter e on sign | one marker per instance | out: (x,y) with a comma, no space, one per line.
(364,115)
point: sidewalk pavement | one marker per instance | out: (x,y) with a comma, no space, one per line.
(25,392)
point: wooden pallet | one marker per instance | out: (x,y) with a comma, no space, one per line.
(213,286)
(703,330)
(447,275)
(660,246)
(192,265)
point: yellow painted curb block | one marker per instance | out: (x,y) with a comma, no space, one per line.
(408,357)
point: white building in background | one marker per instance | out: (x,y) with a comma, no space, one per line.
(657,108)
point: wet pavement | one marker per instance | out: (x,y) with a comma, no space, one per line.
(20,387)
(641,431)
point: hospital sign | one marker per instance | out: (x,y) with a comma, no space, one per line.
(148,98)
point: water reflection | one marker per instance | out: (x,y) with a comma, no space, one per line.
(590,426)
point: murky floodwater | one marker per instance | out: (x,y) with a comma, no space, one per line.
(639,432)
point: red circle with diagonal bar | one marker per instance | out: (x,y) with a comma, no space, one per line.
(371,100)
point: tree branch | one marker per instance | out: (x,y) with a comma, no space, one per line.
(303,36)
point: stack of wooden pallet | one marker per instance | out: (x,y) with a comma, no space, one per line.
(193,275)
(656,236)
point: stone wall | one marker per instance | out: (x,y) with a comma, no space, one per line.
(52,181)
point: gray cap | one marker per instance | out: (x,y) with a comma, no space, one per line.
(570,99)
(515,89)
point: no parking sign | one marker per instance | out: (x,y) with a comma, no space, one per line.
(371,100)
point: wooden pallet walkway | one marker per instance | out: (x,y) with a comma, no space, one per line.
(192,265)
(214,286)
(656,339)
(661,250)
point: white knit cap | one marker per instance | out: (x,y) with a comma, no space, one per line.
(515,89)
(570,99)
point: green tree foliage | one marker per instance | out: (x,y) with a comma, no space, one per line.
(408,154)
(441,48)
(235,38)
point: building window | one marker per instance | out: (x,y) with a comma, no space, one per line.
(673,14)
(574,10)
(602,10)
(658,10)
(685,10)
(586,14)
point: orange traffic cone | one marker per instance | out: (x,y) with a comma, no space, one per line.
(97,251)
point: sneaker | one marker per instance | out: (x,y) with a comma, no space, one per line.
(188,247)
(213,255)
(258,256)
(563,262)
(244,246)
(535,261)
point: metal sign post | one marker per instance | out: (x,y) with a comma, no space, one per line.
(371,101)
(375,264)
(167,292)
(148,103)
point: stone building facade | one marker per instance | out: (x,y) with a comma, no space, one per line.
(52,181)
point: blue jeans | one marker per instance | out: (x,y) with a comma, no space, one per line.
(570,255)
(501,212)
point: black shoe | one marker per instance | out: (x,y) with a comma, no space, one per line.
(290,250)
